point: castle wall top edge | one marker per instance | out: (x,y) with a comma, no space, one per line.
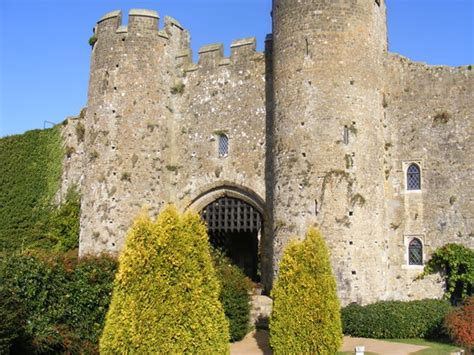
(173,21)
(409,62)
(144,13)
(109,15)
(137,12)
(211,48)
(244,42)
(184,53)
(122,29)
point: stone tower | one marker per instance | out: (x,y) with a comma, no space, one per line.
(131,71)
(327,135)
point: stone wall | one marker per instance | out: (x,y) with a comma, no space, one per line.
(220,96)
(73,134)
(429,119)
(153,122)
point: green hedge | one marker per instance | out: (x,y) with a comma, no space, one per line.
(234,296)
(30,172)
(396,319)
(53,303)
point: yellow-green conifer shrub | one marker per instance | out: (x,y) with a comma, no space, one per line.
(306,311)
(166,294)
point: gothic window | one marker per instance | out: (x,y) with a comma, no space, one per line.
(223,145)
(413,177)
(415,252)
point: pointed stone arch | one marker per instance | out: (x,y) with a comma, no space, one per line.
(214,191)
(229,203)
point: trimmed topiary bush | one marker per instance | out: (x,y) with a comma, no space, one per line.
(396,319)
(306,311)
(166,294)
(235,295)
(460,325)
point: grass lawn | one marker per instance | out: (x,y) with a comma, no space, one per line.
(435,348)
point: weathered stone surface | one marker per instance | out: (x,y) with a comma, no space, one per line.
(321,128)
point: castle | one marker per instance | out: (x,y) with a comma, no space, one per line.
(324,128)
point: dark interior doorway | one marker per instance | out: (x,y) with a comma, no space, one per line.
(234,227)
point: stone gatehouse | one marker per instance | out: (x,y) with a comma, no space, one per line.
(325,128)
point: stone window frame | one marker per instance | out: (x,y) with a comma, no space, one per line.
(223,151)
(407,239)
(405,165)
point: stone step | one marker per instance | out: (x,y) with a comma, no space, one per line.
(260,311)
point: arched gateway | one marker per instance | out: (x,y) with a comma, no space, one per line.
(234,217)
(234,226)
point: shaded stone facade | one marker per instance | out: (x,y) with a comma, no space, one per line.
(321,130)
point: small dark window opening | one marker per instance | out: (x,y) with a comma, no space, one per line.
(346,135)
(316,207)
(413,177)
(223,146)
(377,2)
(415,252)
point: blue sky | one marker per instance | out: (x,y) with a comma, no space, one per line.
(44,51)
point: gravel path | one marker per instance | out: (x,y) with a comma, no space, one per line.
(256,343)
(380,346)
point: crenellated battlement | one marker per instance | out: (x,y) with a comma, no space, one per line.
(110,22)
(212,55)
(139,21)
(142,20)
(144,23)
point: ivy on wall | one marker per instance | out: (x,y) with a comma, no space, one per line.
(456,263)
(30,173)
